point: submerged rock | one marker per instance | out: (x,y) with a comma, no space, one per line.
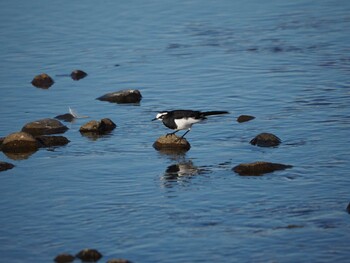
(100,127)
(5,166)
(171,143)
(89,255)
(245,118)
(78,74)
(64,258)
(44,127)
(259,168)
(19,142)
(42,81)
(122,96)
(52,141)
(266,140)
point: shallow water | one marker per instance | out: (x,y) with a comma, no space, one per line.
(285,63)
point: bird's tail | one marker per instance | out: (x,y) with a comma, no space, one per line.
(208,113)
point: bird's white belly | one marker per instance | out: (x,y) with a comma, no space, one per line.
(184,124)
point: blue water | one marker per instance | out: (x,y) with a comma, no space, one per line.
(285,62)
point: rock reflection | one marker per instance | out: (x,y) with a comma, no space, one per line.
(17,156)
(181,173)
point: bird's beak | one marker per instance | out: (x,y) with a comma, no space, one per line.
(154,119)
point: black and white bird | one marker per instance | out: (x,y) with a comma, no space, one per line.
(183,119)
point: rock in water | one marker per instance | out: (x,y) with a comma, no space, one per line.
(89,255)
(44,127)
(122,96)
(78,74)
(5,166)
(259,168)
(266,140)
(245,118)
(19,142)
(64,258)
(52,141)
(172,143)
(65,117)
(100,127)
(42,81)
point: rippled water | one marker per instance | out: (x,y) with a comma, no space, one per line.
(285,62)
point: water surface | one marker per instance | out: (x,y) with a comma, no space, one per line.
(286,63)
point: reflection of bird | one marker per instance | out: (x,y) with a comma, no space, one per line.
(183,119)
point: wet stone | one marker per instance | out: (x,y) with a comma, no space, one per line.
(78,74)
(107,125)
(44,127)
(19,142)
(172,143)
(43,81)
(89,255)
(65,117)
(100,127)
(5,166)
(64,258)
(51,141)
(258,168)
(266,140)
(122,96)
(245,118)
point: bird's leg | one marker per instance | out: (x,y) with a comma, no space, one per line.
(185,133)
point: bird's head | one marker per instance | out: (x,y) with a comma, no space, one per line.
(160,115)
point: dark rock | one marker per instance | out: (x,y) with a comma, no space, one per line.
(44,127)
(266,140)
(258,168)
(100,127)
(348,208)
(122,96)
(107,125)
(244,118)
(64,258)
(119,260)
(78,74)
(19,142)
(89,255)
(5,166)
(171,143)
(65,117)
(51,141)
(42,81)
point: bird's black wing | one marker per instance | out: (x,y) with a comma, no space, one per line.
(179,114)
